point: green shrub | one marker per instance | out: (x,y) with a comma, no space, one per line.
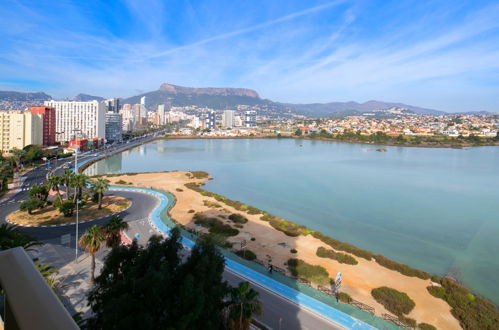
(473,312)
(121,181)
(267,217)
(246,254)
(199,174)
(253,239)
(237,218)
(340,257)
(342,246)
(316,274)
(211,204)
(214,225)
(401,268)
(67,208)
(394,301)
(345,297)
(179,190)
(191,211)
(31,204)
(288,228)
(408,321)
(426,326)
(293,251)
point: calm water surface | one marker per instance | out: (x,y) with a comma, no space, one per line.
(434,209)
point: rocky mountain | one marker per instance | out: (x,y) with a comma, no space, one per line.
(173,89)
(85,98)
(217,98)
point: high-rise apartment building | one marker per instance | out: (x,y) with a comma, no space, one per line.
(161,114)
(250,119)
(228,119)
(114,129)
(49,123)
(19,129)
(209,120)
(127,118)
(85,119)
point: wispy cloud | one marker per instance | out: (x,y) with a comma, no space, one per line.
(339,50)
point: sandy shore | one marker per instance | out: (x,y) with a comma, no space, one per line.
(358,280)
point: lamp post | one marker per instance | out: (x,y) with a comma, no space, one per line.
(77,200)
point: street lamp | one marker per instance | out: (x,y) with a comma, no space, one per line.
(76,240)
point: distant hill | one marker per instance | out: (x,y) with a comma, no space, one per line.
(327,109)
(86,98)
(23,96)
(10,100)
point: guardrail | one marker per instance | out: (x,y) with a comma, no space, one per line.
(396,320)
(362,306)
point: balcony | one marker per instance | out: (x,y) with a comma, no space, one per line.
(29,301)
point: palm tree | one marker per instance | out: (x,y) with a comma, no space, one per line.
(11,237)
(91,241)
(242,305)
(18,155)
(112,230)
(78,182)
(66,180)
(100,186)
(5,172)
(53,183)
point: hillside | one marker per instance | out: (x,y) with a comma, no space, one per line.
(10,100)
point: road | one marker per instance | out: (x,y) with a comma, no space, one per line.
(279,313)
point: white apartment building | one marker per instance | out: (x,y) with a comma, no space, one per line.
(19,129)
(127,117)
(161,114)
(88,118)
(228,119)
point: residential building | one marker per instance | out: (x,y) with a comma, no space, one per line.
(250,118)
(19,129)
(209,120)
(86,118)
(114,128)
(127,118)
(228,119)
(161,114)
(49,123)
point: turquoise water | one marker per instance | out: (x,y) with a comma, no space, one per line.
(434,209)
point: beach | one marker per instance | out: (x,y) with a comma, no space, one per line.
(358,280)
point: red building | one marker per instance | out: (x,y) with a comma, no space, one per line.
(81,144)
(48,123)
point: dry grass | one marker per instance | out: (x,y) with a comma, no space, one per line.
(51,216)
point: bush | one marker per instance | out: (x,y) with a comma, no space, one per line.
(199,174)
(340,257)
(211,204)
(237,218)
(246,254)
(394,301)
(31,204)
(253,239)
(426,326)
(179,190)
(67,208)
(316,274)
(215,226)
(288,228)
(471,311)
(293,251)
(267,217)
(191,211)
(121,181)
(345,297)
(401,268)
(342,246)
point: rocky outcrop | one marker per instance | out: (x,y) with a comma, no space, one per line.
(173,89)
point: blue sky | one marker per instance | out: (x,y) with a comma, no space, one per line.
(436,54)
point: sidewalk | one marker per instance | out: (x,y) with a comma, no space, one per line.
(75,276)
